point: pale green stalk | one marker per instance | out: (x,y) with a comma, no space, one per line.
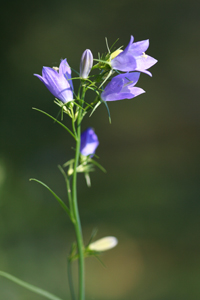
(77,223)
(71,286)
(30,287)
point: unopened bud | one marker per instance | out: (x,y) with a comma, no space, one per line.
(89,142)
(104,244)
(86,63)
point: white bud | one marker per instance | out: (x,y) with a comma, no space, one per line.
(104,244)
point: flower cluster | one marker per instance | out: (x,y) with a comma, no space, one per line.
(132,60)
(127,63)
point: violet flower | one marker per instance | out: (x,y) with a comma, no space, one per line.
(59,82)
(122,87)
(133,58)
(86,63)
(89,142)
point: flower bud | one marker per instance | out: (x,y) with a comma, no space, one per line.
(89,142)
(104,244)
(86,63)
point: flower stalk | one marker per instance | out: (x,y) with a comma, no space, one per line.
(77,223)
(132,60)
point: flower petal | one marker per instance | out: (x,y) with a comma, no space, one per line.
(114,86)
(123,62)
(89,142)
(41,78)
(136,91)
(139,47)
(65,69)
(129,78)
(129,45)
(57,85)
(145,62)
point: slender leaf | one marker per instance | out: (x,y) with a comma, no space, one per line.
(87,179)
(114,44)
(71,161)
(79,105)
(109,74)
(101,262)
(62,204)
(107,110)
(30,286)
(98,103)
(93,234)
(68,193)
(107,44)
(98,165)
(56,121)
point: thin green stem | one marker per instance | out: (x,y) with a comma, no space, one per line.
(71,286)
(29,286)
(55,121)
(77,223)
(73,127)
(68,193)
(70,197)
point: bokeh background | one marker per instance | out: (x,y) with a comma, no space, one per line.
(149,197)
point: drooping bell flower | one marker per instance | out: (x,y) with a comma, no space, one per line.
(133,58)
(122,87)
(58,81)
(86,63)
(89,142)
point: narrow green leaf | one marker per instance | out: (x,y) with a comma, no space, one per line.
(68,193)
(98,165)
(101,262)
(93,234)
(87,179)
(100,60)
(71,161)
(114,44)
(107,110)
(62,204)
(109,74)
(79,105)
(55,121)
(98,103)
(107,44)
(30,286)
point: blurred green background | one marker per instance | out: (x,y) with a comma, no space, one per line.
(149,197)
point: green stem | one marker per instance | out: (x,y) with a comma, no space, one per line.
(69,270)
(29,286)
(77,223)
